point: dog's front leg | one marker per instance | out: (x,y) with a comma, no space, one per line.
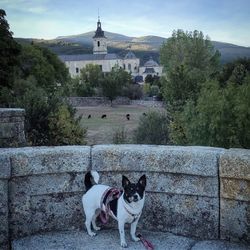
(121,224)
(133,230)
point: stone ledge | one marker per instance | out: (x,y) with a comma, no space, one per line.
(45,160)
(235,163)
(10,112)
(202,161)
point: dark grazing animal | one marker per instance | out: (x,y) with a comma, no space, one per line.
(89,116)
(144,114)
(104,116)
(128,116)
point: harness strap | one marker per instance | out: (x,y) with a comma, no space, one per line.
(109,195)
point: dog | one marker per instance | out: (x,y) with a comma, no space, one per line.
(126,208)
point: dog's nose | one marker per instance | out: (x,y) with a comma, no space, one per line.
(135,197)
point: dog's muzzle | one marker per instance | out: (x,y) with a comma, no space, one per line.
(135,197)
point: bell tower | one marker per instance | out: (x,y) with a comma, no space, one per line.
(99,40)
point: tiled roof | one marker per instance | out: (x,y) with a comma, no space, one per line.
(130,55)
(89,57)
(151,63)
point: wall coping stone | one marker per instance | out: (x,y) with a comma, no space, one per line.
(9,112)
(44,160)
(234,163)
(193,160)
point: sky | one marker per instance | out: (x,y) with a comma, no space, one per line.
(222,20)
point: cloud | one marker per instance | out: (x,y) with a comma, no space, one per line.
(36,7)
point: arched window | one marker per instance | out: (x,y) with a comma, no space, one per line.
(98,43)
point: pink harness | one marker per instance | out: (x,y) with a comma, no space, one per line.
(109,195)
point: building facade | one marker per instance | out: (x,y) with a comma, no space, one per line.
(107,61)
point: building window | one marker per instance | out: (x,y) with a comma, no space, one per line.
(100,67)
(98,43)
(129,66)
(124,66)
(77,70)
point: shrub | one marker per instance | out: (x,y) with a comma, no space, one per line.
(133,91)
(120,136)
(48,121)
(153,129)
(64,129)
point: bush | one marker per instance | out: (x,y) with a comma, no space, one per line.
(120,136)
(48,120)
(64,129)
(133,91)
(153,129)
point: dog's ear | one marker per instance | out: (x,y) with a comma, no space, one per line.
(143,181)
(125,181)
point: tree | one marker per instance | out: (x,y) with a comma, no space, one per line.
(9,51)
(89,80)
(189,60)
(37,85)
(114,81)
(221,116)
(153,129)
(91,74)
(50,73)
(133,91)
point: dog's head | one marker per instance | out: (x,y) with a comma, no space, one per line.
(133,192)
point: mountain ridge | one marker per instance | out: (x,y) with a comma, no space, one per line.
(143,46)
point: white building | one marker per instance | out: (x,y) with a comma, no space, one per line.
(150,67)
(106,60)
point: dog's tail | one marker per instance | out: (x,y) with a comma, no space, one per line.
(91,178)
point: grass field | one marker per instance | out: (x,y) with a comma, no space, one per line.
(101,131)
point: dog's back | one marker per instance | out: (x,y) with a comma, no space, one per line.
(94,191)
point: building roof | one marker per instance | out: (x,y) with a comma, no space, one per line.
(149,71)
(89,57)
(130,55)
(151,63)
(99,33)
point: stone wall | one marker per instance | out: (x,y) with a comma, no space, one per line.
(12,127)
(96,101)
(193,191)
(150,104)
(235,195)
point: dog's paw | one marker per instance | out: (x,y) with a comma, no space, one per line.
(92,234)
(135,238)
(124,244)
(97,228)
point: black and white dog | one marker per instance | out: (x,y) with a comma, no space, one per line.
(125,208)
